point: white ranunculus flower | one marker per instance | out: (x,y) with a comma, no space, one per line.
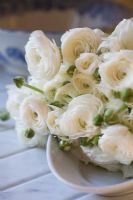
(114,104)
(15,98)
(65,93)
(117,142)
(51,87)
(98,157)
(77,120)
(33,113)
(31,140)
(77,41)
(83,83)
(110,44)
(100,34)
(124,32)
(87,62)
(42,56)
(52,121)
(117,70)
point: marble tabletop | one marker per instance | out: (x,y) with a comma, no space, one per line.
(24,173)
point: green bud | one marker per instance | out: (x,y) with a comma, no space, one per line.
(110,117)
(126,94)
(29,133)
(104,98)
(116,94)
(57,104)
(95,139)
(71,69)
(85,85)
(96,75)
(19,81)
(65,145)
(97,120)
(4,115)
(85,141)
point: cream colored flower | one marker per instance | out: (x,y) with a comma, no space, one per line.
(98,157)
(52,121)
(77,120)
(117,142)
(65,93)
(117,70)
(87,62)
(100,34)
(110,44)
(15,98)
(77,41)
(83,83)
(42,56)
(29,140)
(50,87)
(124,32)
(33,113)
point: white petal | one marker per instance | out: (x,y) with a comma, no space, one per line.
(42,56)
(77,41)
(117,142)
(76,121)
(87,63)
(33,113)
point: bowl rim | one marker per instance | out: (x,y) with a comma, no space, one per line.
(115,188)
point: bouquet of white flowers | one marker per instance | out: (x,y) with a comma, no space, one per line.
(81,93)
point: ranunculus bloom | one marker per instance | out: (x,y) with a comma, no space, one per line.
(33,113)
(117,70)
(117,141)
(77,120)
(42,56)
(77,41)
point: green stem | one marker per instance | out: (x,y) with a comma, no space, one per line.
(33,88)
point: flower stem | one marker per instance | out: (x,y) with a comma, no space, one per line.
(33,88)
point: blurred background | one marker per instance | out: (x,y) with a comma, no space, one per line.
(19,17)
(59,15)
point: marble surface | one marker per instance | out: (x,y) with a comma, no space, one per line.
(24,173)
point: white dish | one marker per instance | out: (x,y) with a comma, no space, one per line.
(85,178)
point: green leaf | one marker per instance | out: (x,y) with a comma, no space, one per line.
(96,75)
(71,69)
(116,94)
(85,141)
(57,104)
(126,94)
(110,117)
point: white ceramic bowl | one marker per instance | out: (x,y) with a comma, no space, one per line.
(85,178)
